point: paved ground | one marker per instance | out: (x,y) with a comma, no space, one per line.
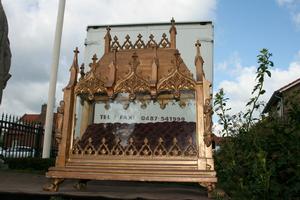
(17,185)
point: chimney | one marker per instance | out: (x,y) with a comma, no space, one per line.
(43,114)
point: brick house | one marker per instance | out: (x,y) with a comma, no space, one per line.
(39,118)
(279,101)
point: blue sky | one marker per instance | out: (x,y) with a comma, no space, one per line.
(245,27)
(242,28)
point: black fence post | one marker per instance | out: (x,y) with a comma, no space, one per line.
(20,137)
(38,148)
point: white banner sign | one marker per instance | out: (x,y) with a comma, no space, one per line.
(152,113)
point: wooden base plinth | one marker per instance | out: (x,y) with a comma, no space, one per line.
(83,174)
(133,175)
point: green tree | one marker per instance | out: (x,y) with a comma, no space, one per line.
(260,157)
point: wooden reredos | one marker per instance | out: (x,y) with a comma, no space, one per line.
(138,68)
(144,70)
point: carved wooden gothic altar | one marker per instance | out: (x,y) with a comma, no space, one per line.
(130,72)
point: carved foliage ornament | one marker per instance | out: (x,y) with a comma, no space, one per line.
(90,84)
(131,150)
(208,111)
(176,80)
(59,121)
(139,44)
(133,83)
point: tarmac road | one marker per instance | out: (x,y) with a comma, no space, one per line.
(18,185)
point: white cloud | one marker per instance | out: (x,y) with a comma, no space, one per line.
(296,18)
(233,60)
(293,7)
(285,2)
(31,32)
(239,90)
(297,57)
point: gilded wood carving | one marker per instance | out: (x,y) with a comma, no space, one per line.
(131,150)
(110,75)
(59,121)
(146,71)
(208,111)
(176,80)
(89,84)
(133,83)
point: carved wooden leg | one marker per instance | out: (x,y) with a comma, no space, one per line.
(81,184)
(53,186)
(210,188)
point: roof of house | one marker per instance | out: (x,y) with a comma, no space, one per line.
(38,118)
(217,139)
(277,94)
(31,117)
(290,85)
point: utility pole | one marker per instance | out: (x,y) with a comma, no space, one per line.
(53,79)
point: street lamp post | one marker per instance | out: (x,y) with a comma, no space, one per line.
(53,80)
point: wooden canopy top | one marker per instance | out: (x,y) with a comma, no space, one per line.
(141,67)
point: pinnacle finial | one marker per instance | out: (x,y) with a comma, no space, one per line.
(173,28)
(75,59)
(199,62)
(107,39)
(173,33)
(94,58)
(76,51)
(82,70)
(135,62)
(173,21)
(198,45)
(73,70)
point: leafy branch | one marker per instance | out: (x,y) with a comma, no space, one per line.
(264,64)
(220,109)
(234,124)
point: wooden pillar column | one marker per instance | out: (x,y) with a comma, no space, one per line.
(200,100)
(69,111)
(200,125)
(208,124)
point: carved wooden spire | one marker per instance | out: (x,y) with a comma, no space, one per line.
(82,73)
(153,80)
(199,63)
(75,58)
(111,78)
(173,33)
(107,39)
(178,59)
(134,62)
(94,63)
(74,70)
